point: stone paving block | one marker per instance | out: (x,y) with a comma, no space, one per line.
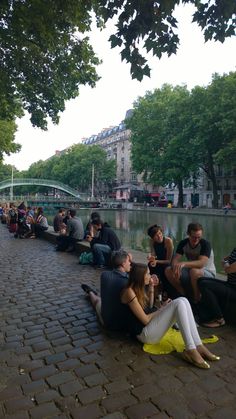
(199,406)
(76,352)
(14,405)
(61,341)
(91,411)
(43,372)
(173,404)
(118,401)
(71,387)
(23,350)
(115,415)
(41,346)
(91,394)
(56,334)
(10,393)
(63,348)
(60,378)
(41,354)
(44,411)
(118,386)
(87,359)
(82,342)
(34,386)
(221,398)
(20,415)
(226,412)
(147,391)
(47,396)
(96,379)
(86,370)
(68,364)
(31,365)
(141,410)
(55,358)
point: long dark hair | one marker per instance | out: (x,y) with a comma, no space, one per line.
(137,283)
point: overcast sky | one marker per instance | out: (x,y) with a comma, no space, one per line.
(114,94)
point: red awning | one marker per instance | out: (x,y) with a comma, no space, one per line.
(153,195)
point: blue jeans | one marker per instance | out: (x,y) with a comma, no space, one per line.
(101,254)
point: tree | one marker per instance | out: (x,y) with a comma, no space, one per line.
(213,126)
(7,137)
(74,168)
(45,55)
(161,148)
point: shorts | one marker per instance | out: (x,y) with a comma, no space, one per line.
(185,277)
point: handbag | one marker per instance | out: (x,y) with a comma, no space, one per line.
(86,258)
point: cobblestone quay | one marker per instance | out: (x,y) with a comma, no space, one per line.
(56,361)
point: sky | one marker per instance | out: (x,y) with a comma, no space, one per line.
(107,103)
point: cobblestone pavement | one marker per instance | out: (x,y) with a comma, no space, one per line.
(56,362)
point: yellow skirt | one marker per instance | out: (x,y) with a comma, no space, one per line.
(172,341)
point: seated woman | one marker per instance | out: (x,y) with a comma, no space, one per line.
(160,257)
(217,296)
(150,328)
(132,304)
(40,225)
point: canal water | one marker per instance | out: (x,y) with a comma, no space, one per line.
(131,228)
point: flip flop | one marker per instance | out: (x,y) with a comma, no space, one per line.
(88,289)
(215,323)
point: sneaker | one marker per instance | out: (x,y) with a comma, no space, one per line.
(88,289)
(100,267)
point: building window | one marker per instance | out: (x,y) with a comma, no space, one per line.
(133,177)
(227,184)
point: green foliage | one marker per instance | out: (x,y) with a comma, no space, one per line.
(45,55)
(214,125)
(6,171)
(74,167)
(7,136)
(176,132)
(150,25)
(161,147)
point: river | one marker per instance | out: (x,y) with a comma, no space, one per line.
(131,227)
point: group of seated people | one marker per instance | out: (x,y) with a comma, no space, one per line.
(24,222)
(189,272)
(127,304)
(195,276)
(187,280)
(99,234)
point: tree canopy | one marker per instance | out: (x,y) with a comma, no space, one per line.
(45,53)
(176,132)
(74,168)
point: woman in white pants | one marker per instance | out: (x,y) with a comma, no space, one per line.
(151,327)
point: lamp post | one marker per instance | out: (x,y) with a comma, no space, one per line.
(92,189)
(11,188)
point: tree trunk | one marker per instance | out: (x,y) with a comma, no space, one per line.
(212,177)
(181,194)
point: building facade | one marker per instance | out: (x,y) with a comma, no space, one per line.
(115,141)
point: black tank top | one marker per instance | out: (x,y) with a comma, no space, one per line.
(160,250)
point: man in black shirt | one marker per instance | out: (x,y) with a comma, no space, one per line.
(111,312)
(103,242)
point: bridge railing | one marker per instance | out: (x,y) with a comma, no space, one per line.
(43,182)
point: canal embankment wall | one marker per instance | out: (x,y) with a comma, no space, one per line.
(139,257)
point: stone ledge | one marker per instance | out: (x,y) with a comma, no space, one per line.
(51,236)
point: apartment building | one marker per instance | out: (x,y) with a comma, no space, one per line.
(116,142)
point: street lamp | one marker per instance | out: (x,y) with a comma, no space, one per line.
(92,189)
(11,188)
